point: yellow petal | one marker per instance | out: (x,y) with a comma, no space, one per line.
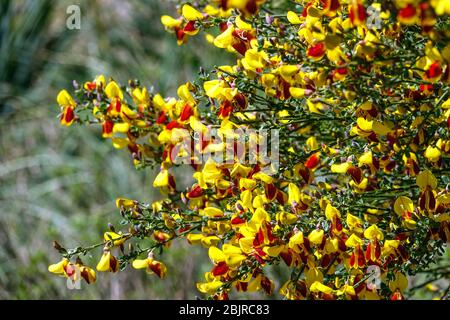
(373,232)
(162,179)
(184,93)
(293,17)
(126,203)
(216,255)
(191,14)
(170,22)
(58,268)
(209,287)
(140,263)
(240,170)
(245,183)
(122,127)
(380,129)
(403,204)
(235,260)
(353,241)
(331,212)
(364,124)
(112,90)
(366,158)
(241,24)
(340,168)
(426,178)
(103,265)
(288,71)
(65,99)
(196,125)
(294,193)
(117,239)
(210,241)
(433,154)
(312,144)
(263,177)
(260,216)
(225,39)
(194,238)
(213,212)
(120,143)
(316,236)
(273,251)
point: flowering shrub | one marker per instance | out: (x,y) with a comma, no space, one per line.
(357,198)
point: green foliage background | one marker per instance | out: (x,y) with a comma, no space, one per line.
(59,183)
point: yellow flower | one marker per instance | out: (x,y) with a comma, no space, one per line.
(231,255)
(353,241)
(254,59)
(112,91)
(162,179)
(170,23)
(225,39)
(320,287)
(293,18)
(316,236)
(340,168)
(125,203)
(209,287)
(67,105)
(426,179)
(88,274)
(108,263)
(441,6)
(294,194)
(152,266)
(117,239)
(206,241)
(99,82)
(403,205)
(354,223)
(241,24)
(296,239)
(399,284)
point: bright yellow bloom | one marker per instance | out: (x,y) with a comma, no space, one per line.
(189,13)
(60,267)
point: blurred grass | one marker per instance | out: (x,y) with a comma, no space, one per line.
(58,183)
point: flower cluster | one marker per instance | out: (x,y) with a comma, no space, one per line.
(359,93)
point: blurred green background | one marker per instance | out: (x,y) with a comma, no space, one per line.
(61,183)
